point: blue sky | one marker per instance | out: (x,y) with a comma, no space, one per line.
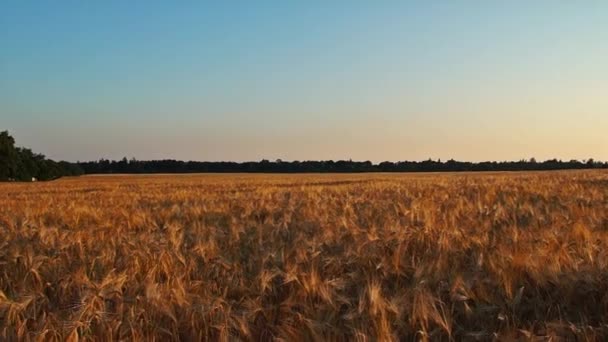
(390,80)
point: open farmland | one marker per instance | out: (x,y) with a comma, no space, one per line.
(306,257)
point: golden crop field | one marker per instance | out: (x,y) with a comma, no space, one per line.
(369,257)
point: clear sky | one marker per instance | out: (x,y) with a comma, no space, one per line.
(298,80)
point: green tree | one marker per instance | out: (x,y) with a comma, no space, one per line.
(19,163)
(8,157)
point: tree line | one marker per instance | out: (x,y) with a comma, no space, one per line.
(21,164)
(329,166)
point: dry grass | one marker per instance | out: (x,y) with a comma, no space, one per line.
(306,257)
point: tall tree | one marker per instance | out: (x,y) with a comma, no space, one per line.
(8,156)
(21,164)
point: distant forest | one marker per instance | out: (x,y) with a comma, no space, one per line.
(329,166)
(21,164)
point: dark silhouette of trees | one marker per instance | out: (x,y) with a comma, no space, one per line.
(8,159)
(21,164)
(328,166)
(18,163)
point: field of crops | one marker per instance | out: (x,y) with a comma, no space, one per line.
(306,257)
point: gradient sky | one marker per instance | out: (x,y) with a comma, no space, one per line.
(244,80)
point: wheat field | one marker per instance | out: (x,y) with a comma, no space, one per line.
(363,257)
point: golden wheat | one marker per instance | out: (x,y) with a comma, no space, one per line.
(306,257)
